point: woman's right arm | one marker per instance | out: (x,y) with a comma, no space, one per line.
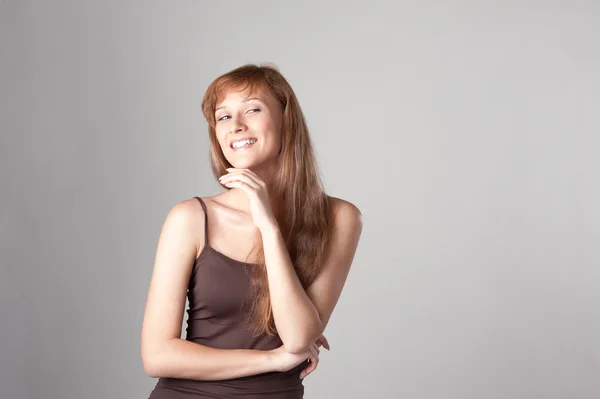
(164,353)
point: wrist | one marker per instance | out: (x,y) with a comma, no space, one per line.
(270,360)
(271,228)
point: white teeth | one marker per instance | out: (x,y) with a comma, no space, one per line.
(242,143)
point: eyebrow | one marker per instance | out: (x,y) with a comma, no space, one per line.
(244,101)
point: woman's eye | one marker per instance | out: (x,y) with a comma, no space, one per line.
(227,116)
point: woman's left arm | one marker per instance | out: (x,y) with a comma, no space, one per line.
(301,316)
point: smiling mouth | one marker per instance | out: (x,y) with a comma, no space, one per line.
(241,144)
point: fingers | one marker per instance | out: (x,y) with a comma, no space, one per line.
(237,170)
(239,179)
(313,361)
(325,343)
(312,366)
(322,341)
(247,173)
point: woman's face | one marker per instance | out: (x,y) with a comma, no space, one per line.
(254,116)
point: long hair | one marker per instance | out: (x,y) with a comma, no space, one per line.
(304,217)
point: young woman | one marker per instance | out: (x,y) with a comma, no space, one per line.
(262,263)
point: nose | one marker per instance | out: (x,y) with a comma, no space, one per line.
(237,126)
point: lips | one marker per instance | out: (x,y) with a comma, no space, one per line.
(241,139)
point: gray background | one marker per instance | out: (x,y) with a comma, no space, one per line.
(466,132)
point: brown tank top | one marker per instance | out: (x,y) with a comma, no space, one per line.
(217,287)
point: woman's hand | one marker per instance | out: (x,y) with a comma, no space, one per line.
(285,361)
(313,366)
(256,188)
(323,341)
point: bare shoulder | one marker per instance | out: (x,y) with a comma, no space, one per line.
(185,219)
(189,206)
(346,214)
(187,213)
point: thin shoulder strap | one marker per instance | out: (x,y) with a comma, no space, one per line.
(205,221)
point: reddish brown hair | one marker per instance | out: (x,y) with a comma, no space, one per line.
(305,217)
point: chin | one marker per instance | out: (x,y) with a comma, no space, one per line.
(243,164)
(251,162)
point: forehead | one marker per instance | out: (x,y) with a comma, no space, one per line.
(232,97)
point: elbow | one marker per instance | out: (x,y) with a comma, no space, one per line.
(297,348)
(150,366)
(156,359)
(151,373)
(302,341)
(151,363)
(300,345)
